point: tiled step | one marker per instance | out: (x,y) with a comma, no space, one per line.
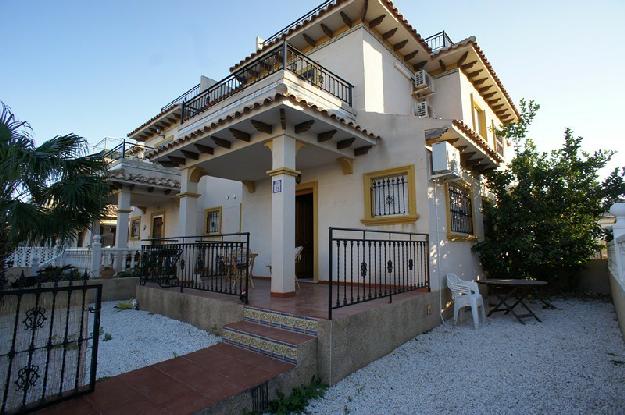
(270,341)
(284,321)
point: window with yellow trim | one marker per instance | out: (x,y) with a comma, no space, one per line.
(460,210)
(212,224)
(135,228)
(479,119)
(390,196)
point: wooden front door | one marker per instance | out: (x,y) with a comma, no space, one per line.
(305,235)
(157,227)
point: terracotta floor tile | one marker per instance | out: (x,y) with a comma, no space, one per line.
(76,406)
(111,392)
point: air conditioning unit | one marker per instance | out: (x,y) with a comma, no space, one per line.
(423,109)
(446,160)
(423,85)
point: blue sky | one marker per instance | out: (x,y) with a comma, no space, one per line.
(102,68)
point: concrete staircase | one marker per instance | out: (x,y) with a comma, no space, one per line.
(282,336)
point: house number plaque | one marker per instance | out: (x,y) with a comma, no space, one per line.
(277,186)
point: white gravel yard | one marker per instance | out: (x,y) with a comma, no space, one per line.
(573,363)
(131,339)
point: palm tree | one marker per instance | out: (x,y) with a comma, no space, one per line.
(48,192)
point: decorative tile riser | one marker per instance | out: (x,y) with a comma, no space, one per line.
(283,321)
(269,347)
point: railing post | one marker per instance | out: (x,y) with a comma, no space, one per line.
(96,256)
(351,88)
(124,149)
(182,110)
(285,50)
(330,273)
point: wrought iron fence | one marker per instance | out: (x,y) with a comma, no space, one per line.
(193,91)
(48,343)
(217,263)
(127,150)
(461,210)
(365,265)
(280,34)
(439,40)
(282,57)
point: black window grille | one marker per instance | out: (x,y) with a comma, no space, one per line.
(389,195)
(461,210)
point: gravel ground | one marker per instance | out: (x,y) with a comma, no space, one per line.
(140,339)
(573,363)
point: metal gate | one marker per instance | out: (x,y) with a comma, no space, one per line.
(48,344)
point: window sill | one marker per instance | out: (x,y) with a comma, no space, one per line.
(390,220)
(458,237)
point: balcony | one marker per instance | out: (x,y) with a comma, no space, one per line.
(439,40)
(283,57)
(129,167)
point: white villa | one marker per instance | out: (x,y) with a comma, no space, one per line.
(346,118)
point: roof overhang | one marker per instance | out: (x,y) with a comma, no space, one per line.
(156,124)
(380,17)
(260,122)
(470,59)
(475,152)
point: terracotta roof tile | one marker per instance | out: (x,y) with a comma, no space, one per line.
(477,139)
(157,116)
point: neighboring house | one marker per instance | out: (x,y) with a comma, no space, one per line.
(334,121)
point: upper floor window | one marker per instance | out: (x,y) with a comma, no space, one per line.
(478,118)
(390,196)
(135,228)
(460,215)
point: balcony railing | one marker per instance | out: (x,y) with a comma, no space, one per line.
(127,150)
(182,98)
(282,32)
(365,265)
(282,57)
(439,40)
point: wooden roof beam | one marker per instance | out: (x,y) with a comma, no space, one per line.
(240,135)
(190,154)
(373,23)
(389,34)
(361,151)
(411,55)
(325,136)
(204,149)
(312,42)
(303,126)
(346,19)
(345,143)
(468,65)
(221,142)
(463,58)
(328,32)
(262,127)
(400,45)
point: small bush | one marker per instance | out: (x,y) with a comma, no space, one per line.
(299,398)
(107,337)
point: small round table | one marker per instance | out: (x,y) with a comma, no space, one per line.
(515,289)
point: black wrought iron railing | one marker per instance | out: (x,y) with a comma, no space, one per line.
(127,150)
(460,210)
(282,57)
(281,34)
(182,98)
(217,263)
(389,196)
(365,265)
(439,40)
(49,337)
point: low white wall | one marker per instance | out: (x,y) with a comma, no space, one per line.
(617,289)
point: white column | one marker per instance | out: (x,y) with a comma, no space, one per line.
(187,207)
(283,174)
(618,210)
(96,256)
(121,232)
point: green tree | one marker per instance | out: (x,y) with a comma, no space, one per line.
(542,220)
(47,192)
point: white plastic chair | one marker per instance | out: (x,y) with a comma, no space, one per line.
(466,294)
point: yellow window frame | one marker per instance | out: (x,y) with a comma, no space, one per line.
(411,216)
(457,236)
(130,233)
(207,212)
